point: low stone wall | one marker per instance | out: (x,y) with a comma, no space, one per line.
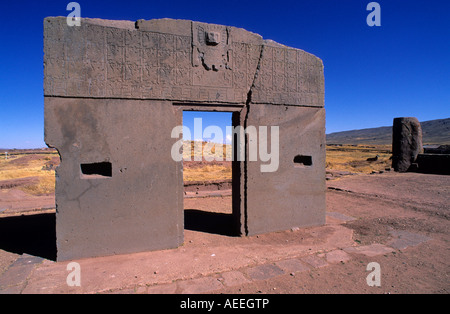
(207,188)
(433,163)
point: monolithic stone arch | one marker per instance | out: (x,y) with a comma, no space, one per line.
(114,90)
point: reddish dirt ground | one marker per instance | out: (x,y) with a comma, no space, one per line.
(416,204)
(404,215)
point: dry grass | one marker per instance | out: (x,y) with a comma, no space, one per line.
(344,158)
(354,158)
(29,166)
(45,185)
(207,173)
(194,149)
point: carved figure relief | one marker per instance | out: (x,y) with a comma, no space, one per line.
(211,55)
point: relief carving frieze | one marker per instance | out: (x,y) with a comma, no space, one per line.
(164,59)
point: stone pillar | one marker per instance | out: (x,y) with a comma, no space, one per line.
(406,143)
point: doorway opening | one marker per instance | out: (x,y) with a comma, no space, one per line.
(211,174)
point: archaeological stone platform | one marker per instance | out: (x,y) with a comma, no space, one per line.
(114,91)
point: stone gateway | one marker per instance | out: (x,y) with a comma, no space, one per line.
(113,92)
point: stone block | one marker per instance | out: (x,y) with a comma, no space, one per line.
(406,143)
(263,272)
(114,91)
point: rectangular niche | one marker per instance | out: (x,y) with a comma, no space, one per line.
(302,161)
(96,170)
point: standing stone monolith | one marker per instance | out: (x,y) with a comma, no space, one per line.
(114,91)
(406,143)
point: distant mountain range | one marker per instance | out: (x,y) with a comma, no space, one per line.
(434,132)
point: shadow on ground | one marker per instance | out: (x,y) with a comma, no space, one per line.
(36,234)
(31,234)
(210,222)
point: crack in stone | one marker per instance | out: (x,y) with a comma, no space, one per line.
(246,110)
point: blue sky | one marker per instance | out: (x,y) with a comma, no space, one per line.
(198,121)
(372,74)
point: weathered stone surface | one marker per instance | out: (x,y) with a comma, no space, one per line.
(172,59)
(433,163)
(340,216)
(437,149)
(234,278)
(404,239)
(314,261)
(158,60)
(138,208)
(113,92)
(294,195)
(406,143)
(263,272)
(199,285)
(15,277)
(369,250)
(292,265)
(337,256)
(288,76)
